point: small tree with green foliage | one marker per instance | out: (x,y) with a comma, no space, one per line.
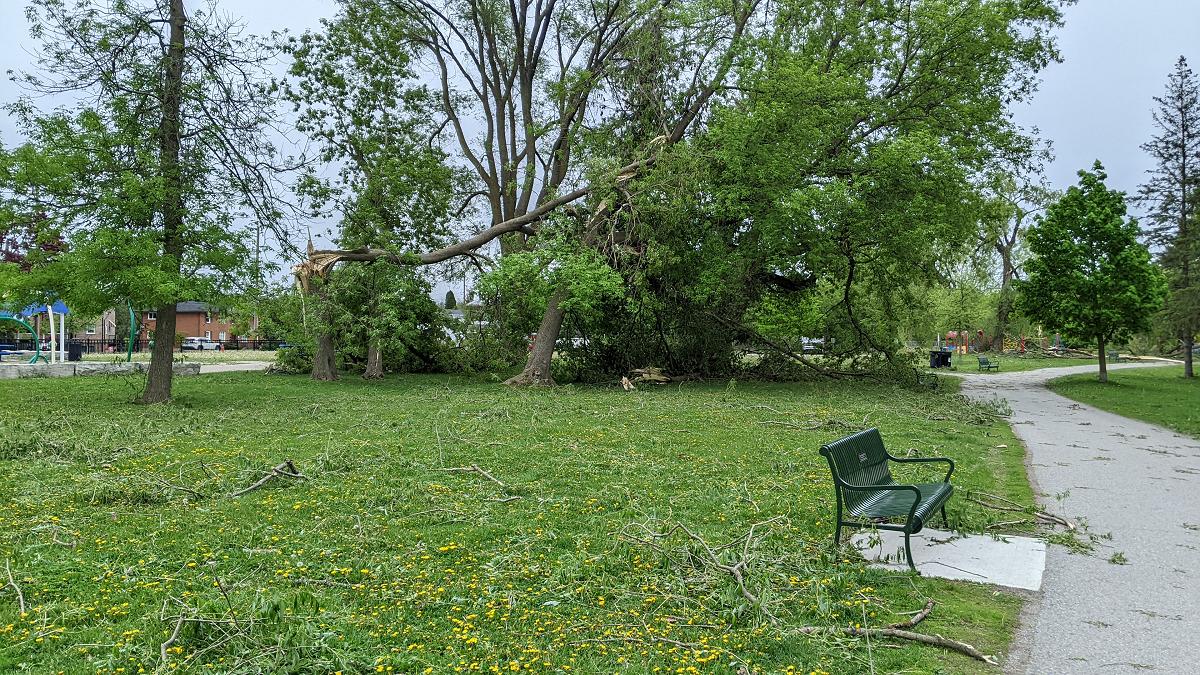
(147,174)
(1089,277)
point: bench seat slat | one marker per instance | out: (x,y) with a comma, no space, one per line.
(894,503)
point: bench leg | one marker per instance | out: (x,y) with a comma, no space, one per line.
(837,529)
(945,521)
(908,552)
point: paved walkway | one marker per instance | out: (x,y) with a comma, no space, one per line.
(233,367)
(1137,481)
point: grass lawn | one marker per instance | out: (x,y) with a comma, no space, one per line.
(116,520)
(1158,395)
(207,356)
(969,363)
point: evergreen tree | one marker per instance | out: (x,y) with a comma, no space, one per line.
(1170,194)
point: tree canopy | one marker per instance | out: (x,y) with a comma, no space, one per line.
(1089,277)
(159,174)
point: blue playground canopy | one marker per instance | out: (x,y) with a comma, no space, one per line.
(59,307)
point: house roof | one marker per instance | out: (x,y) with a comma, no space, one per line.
(192,306)
(187,306)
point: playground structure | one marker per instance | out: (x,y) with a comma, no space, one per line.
(57,353)
(37,345)
(961,341)
(964,342)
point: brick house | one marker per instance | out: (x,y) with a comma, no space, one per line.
(103,328)
(192,319)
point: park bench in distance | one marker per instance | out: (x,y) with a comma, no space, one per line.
(863,484)
(985,364)
(1114,357)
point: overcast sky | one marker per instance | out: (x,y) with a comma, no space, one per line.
(1094,105)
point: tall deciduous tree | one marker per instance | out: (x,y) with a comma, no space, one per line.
(1171,192)
(1089,277)
(1012,206)
(520,86)
(873,89)
(357,97)
(150,177)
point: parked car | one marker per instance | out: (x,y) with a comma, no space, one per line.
(199,344)
(812,345)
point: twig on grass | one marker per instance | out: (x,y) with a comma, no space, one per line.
(916,618)
(813,424)
(228,603)
(737,569)
(162,649)
(933,640)
(1006,523)
(1007,504)
(475,468)
(12,582)
(181,488)
(285,469)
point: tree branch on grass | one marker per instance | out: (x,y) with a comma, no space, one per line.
(286,469)
(737,570)
(12,582)
(475,468)
(933,640)
(1015,507)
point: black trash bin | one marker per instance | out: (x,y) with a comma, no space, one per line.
(75,351)
(939,359)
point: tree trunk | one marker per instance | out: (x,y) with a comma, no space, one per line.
(374,369)
(158,383)
(537,367)
(162,358)
(1005,304)
(1189,344)
(325,360)
(1103,360)
(1003,309)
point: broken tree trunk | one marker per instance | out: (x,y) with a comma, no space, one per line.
(325,359)
(537,366)
(374,370)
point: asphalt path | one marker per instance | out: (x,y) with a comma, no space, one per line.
(1133,604)
(233,367)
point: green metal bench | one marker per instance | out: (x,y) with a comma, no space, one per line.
(1114,357)
(985,364)
(864,488)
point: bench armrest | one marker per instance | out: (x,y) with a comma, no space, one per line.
(922,460)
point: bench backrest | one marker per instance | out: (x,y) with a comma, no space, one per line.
(983,360)
(859,459)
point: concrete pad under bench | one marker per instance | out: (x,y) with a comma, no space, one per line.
(1013,562)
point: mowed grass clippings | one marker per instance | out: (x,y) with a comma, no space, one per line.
(1161,396)
(118,527)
